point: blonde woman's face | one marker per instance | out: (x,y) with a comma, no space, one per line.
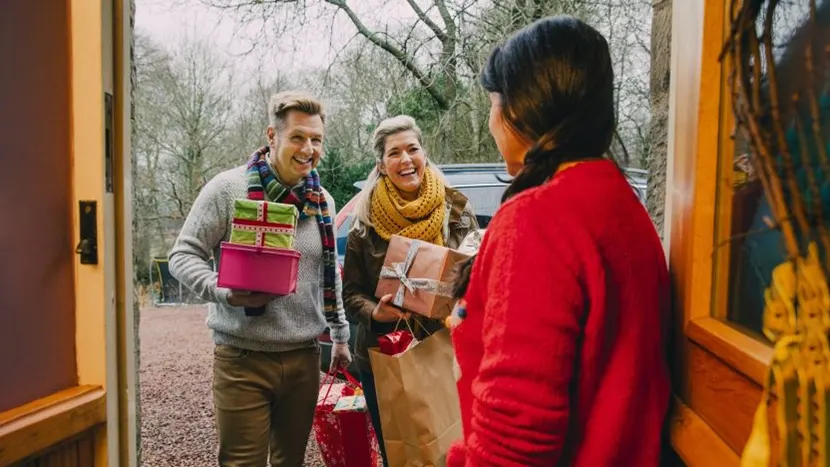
(404,162)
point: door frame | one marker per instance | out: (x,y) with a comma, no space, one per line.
(98,126)
(124,365)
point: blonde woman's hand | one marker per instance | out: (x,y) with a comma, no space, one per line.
(386,313)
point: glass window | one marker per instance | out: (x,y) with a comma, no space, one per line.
(343,235)
(748,246)
(485,200)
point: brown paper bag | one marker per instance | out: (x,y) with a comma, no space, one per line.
(418,400)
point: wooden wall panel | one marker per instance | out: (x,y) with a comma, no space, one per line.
(724,398)
(77,452)
(41,425)
(696,442)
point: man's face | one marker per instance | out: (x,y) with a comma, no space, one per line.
(296,146)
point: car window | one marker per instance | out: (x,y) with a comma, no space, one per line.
(343,234)
(485,200)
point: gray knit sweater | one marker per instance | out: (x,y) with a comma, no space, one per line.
(289,322)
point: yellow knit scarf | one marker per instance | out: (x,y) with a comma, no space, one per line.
(421,219)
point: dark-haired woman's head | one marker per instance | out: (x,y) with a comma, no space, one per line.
(551,88)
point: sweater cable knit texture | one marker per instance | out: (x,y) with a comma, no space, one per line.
(289,322)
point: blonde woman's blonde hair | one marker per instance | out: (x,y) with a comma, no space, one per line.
(283,102)
(385,129)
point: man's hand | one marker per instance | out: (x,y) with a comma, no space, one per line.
(244,298)
(386,313)
(341,357)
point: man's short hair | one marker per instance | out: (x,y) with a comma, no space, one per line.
(283,102)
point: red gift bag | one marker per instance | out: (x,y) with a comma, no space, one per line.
(395,342)
(345,437)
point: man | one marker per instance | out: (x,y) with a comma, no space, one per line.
(266,371)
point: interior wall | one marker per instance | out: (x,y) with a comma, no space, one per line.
(37,303)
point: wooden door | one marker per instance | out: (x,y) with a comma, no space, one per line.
(37,297)
(62,333)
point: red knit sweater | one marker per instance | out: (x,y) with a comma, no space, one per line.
(563,350)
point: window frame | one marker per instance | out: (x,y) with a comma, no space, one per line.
(712,211)
(718,370)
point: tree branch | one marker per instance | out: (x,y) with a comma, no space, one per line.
(407,61)
(439,33)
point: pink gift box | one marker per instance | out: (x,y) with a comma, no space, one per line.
(258,269)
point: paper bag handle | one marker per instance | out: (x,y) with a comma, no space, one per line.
(406,321)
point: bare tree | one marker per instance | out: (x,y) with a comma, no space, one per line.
(627,27)
(250,115)
(434,23)
(442,48)
(183,114)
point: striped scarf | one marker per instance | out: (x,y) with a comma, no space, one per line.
(263,185)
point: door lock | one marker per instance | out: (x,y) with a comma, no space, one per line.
(88,224)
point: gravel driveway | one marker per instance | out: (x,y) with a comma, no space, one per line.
(177,427)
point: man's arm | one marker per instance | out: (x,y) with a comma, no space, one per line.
(339,331)
(203,231)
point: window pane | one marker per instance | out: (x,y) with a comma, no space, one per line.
(484,200)
(343,235)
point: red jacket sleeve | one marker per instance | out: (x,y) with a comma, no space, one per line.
(531,324)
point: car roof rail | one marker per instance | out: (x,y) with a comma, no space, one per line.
(476,167)
(498,169)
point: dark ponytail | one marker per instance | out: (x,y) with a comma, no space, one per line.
(556,86)
(539,166)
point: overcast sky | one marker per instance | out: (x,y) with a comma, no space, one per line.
(170,22)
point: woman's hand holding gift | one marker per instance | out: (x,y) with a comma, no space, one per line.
(387,313)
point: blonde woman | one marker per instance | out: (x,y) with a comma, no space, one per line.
(404,195)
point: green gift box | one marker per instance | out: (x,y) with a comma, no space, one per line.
(263,223)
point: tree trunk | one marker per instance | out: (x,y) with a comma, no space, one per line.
(659,128)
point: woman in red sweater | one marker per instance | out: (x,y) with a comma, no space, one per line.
(562,334)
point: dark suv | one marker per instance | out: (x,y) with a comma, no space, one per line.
(483,184)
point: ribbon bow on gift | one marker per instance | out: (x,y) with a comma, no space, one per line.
(400,271)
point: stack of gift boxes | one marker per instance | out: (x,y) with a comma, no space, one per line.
(260,255)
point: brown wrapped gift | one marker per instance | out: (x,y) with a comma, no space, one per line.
(419,276)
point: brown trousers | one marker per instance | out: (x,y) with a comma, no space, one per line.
(264,399)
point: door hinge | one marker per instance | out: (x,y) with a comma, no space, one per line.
(109,140)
